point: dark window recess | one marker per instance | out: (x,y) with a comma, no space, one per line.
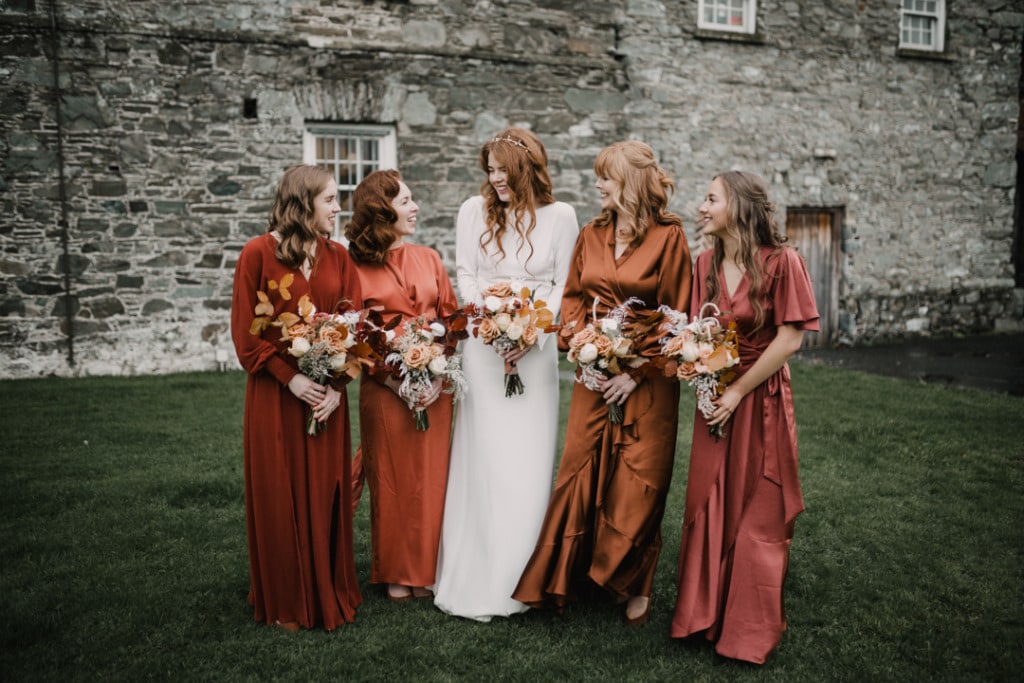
(249,108)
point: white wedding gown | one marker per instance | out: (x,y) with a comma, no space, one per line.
(503,449)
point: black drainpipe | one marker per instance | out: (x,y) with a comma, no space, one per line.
(62,190)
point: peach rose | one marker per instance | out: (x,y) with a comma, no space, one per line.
(530,335)
(417,356)
(499,289)
(488,330)
(604,346)
(584,336)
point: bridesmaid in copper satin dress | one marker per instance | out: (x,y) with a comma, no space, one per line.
(743,491)
(298,509)
(406,470)
(603,524)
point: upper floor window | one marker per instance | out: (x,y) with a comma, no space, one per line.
(351,152)
(922,24)
(736,16)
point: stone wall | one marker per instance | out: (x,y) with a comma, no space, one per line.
(165,178)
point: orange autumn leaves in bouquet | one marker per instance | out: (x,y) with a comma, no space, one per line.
(325,345)
(511,318)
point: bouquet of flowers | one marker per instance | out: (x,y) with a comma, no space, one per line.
(702,353)
(603,349)
(511,319)
(325,345)
(424,352)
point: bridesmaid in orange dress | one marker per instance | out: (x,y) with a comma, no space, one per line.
(298,509)
(406,469)
(603,524)
(743,491)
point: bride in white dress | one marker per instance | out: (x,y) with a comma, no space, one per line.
(503,448)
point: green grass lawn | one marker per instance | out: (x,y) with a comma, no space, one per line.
(123,550)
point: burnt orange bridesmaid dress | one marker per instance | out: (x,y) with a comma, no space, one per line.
(603,523)
(298,506)
(406,470)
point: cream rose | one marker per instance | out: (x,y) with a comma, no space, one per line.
(503,320)
(587,353)
(514,330)
(300,347)
(492,303)
(438,365)
(610,326)
(337,361)
(689,352)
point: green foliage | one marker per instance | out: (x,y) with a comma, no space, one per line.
(124,555)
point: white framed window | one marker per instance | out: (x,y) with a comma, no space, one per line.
(735,16)
(922,24)
(351,152)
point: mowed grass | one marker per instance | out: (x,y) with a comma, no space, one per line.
(123,550)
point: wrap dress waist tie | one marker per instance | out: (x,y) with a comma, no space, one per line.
(780,455)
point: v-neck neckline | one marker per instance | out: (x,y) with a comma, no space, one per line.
(725,281)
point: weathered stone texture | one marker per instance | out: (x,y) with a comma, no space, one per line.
(165,177)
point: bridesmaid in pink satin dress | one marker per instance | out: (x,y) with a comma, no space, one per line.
(743,491)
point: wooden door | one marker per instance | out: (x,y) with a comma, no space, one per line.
(815,232)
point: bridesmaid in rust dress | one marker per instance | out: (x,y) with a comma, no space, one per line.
(743,491)
(603,524)
(297,493)
(406,469)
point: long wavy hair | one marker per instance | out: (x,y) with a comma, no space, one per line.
(525,160)
(371,231)
(751,221)
(644,190)
(293,212)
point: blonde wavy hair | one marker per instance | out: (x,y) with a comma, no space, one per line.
(644,190)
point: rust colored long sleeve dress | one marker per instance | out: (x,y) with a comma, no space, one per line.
(743,490)
(406,470)
(297,487)
(603,523)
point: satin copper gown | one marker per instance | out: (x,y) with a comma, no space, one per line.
(743,490)
(406,469)
(603,524)
(298,508)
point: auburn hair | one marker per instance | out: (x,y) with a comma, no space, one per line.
(525,160)
(371,230)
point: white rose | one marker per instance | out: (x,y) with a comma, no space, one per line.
(337,362)
(690,352)
(610,326)
(437,328)
(587,353)
(704,349)
(300,347)
(492,304)
(514,330)
(503,320)
(438,365)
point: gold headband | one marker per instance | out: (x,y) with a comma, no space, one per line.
(510,140)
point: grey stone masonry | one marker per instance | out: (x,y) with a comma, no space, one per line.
(176,121)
